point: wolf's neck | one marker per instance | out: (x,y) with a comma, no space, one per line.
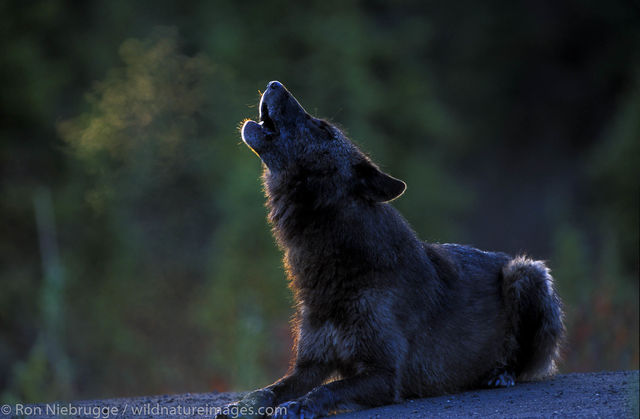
(332,242)
(334,238)
(298,222)
(302,204)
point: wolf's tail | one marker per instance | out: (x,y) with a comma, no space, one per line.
(536,320)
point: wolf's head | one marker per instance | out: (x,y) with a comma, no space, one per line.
(293,144)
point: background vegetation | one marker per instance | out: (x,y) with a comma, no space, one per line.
(134,253)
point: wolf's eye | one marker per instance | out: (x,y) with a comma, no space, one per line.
(324,126)
(329,131)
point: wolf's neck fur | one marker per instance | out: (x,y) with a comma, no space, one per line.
(333,242)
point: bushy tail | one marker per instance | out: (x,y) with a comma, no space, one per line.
(536,318)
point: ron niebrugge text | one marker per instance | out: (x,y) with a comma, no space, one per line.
(148,409)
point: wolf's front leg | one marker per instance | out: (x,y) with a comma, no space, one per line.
(303,378)
(367,389)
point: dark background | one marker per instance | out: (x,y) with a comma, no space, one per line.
(135,257)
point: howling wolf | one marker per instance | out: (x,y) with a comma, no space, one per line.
(382,316)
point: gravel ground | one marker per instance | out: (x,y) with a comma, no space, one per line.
(591,395)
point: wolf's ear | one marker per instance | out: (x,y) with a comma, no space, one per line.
(375,185)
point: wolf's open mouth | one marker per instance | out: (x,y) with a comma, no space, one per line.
(265,120)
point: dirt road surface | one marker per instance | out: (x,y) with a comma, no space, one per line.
(591,395)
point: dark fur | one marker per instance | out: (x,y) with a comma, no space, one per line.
(390,316)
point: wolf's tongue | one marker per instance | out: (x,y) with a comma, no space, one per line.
(264,110)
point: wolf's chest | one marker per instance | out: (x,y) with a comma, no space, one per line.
(328,343)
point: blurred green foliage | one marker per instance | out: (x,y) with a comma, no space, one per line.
(134,253)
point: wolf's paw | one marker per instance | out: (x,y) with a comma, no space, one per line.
(504,379)
(249,406)
(294,410)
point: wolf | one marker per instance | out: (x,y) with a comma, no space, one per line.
(382,316)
